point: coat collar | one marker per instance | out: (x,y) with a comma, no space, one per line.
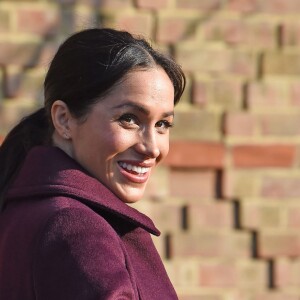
(48,171)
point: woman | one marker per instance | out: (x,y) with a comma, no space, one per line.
(69,170)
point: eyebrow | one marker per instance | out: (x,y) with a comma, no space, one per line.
(141,108)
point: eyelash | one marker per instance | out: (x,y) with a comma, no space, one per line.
(124,120)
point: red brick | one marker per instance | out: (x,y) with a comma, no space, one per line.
(260,156)
(192,183)
(277,244)
(172,28)
(239,124)
(43,21)
(279,124)
(210,244)
(154,4)
(192,154)
(262,94)
(244,6)
(280,187)
(210,215)
(203,5)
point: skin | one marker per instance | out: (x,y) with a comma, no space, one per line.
(128,127)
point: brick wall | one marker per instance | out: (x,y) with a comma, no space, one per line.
(227,197)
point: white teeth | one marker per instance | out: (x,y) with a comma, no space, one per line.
(137,169)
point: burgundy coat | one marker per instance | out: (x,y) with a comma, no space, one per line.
(64,236)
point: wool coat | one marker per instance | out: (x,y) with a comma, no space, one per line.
(65,236)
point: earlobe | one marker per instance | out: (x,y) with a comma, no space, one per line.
(61,118)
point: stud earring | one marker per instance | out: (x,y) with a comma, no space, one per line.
(66,136)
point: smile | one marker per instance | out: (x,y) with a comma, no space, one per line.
(133,168)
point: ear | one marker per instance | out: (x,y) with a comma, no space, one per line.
(61,118)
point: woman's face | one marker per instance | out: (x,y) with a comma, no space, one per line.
(127,133)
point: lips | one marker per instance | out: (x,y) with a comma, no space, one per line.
(136,173)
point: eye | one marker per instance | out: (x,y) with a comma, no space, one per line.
(163,126)
(128,120)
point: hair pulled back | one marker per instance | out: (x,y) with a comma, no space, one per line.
(86,66)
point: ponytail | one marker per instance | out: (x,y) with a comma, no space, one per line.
(33,130)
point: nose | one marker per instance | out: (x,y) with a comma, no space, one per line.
(148,145)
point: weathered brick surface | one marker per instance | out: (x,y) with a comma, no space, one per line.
(227,197)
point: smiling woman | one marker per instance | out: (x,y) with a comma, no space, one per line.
(69,170)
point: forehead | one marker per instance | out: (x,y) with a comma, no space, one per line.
(150,88)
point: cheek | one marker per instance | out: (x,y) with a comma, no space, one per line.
(164,147)
(118,142)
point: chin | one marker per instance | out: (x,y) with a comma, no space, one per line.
(131,197)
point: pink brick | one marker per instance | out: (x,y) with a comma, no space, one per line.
(204,5)
(244,6)
(239,124)
(189,154)
(219,275)
(293,217)
(258,156)
(201,92)
(287,273)
(154,4)
(240,32)
(279,124)
(266,94)
(280,187)
(35,20)
(271,245)
(197,183)
(210,244)
(280,7)
(210,215)
(172,29)
(275,296)
(294,92)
